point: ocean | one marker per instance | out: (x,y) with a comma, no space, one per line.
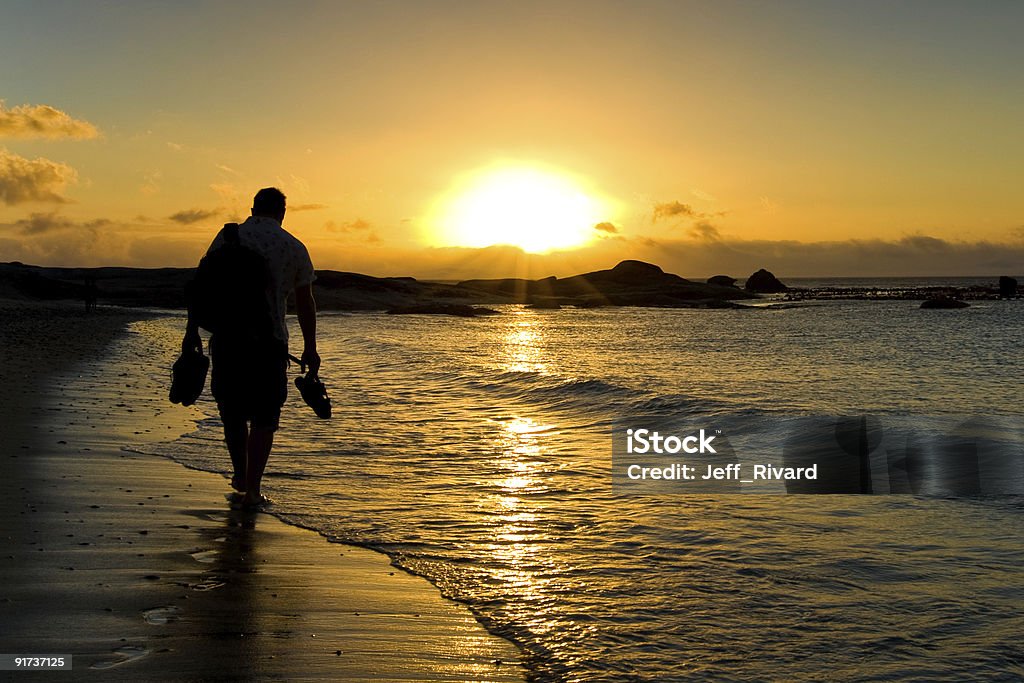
(477,453)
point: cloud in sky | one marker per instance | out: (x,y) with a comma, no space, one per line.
(226,191)
(307,207)
(606,227)
(698,259)
(190,216)
(926,243)
(40,223)
(674,209)
(53,239)
(911,255)
(33,180)
(151,183)
(704,231)
(42,121)
(356,225)
(769,206)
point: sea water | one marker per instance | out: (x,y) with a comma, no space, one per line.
(477,453)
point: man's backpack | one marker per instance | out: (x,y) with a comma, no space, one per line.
(229,295)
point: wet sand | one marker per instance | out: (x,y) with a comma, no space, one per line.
(139,568)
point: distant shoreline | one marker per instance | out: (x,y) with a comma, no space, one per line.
(630,283)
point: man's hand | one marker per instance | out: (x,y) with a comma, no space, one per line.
(191,341)
(312,360)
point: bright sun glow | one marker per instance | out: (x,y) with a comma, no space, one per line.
(536,210)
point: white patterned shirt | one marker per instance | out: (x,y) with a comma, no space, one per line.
(287,260)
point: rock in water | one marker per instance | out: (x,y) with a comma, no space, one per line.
(944,302)
(634,271)
(722,281)
(1007,287)
(460,310)
(764,282)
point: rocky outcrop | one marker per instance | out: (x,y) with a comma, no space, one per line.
(630,283)
(460,310)
(944,302)
(165,288)
(722,281)
(764,282)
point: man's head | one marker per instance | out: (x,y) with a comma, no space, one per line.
(269,202)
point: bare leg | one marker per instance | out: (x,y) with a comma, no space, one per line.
(236,434)
(261,440)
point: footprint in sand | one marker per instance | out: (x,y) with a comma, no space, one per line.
(161,615)
(125,654)
(204,556)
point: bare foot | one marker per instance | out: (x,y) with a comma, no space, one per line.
(255,500)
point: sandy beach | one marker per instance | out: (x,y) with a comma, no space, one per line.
(139,569)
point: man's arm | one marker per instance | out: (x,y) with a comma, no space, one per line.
(305,308)
(192,340)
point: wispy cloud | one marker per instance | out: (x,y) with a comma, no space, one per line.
(307,207)
(190,216)
(770,207)
(606,227)
(42,121)
(295,183)
(348,226)
(33,180)
(909,255)
(40,223)
(926,243)
(229,194)
(679,211)
(51,239)
(704,231)
(151,183)
(674,209)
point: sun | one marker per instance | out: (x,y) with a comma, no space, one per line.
(527,206)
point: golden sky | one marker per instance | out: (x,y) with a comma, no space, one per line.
(813,138)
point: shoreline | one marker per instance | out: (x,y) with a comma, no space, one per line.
(630,283)
(136,566)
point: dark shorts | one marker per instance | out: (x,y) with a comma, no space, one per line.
(250,382)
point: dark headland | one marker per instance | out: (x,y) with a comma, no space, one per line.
(630,283)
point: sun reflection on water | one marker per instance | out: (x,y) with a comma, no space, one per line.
(522,348)
(515,551)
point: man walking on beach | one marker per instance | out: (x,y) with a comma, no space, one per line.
(249,380)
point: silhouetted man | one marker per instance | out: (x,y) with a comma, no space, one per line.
(249,381)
